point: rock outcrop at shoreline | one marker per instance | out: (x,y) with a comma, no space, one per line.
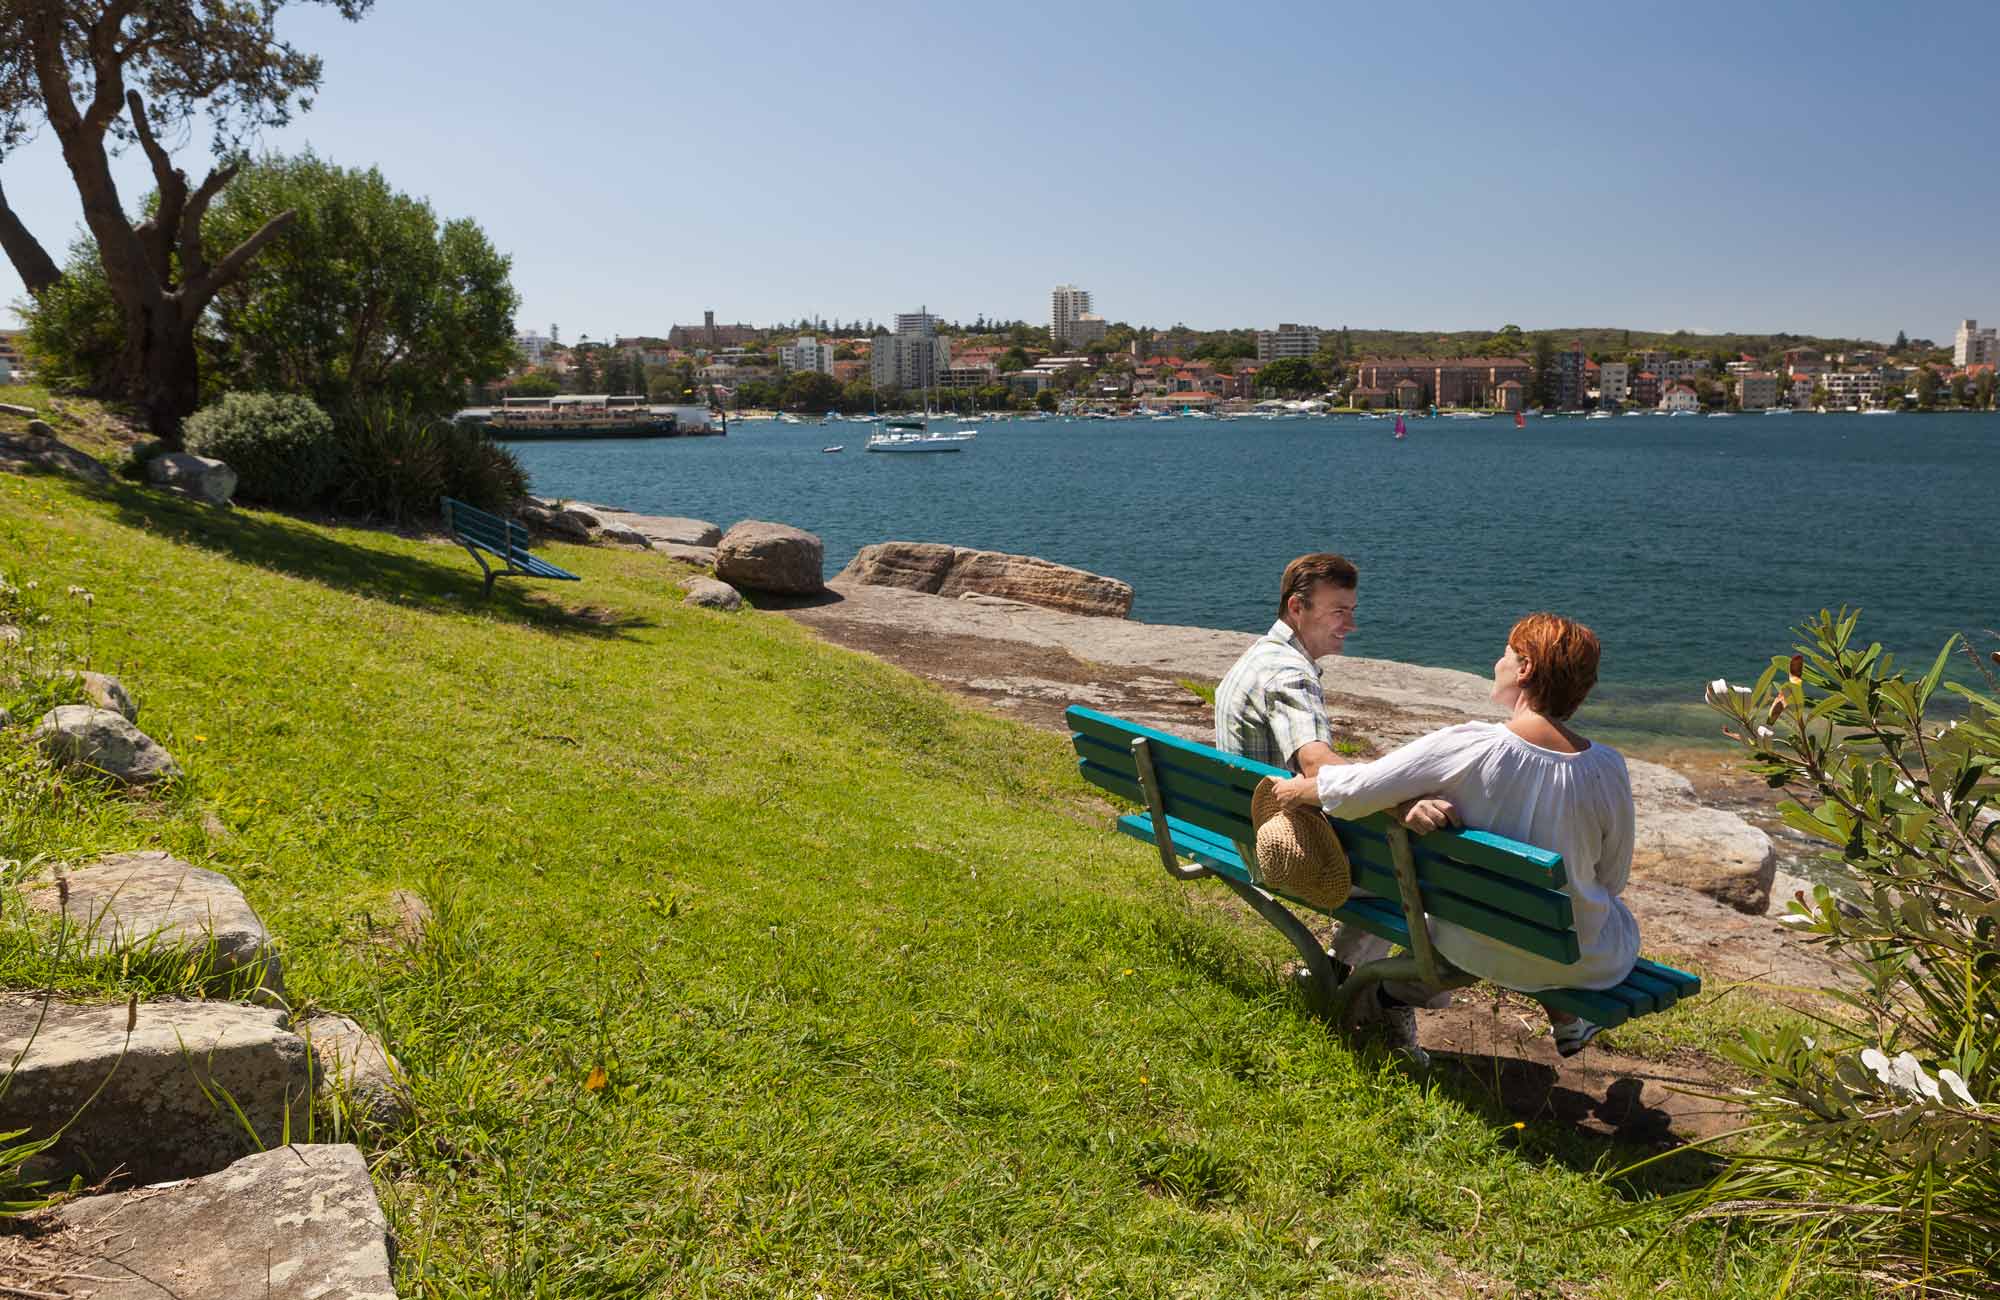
(942,570)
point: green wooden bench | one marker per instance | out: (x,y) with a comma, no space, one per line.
(483,534)
(1197,803)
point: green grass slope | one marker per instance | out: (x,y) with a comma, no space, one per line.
(880,1006)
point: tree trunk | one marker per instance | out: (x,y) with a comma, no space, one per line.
(160,369)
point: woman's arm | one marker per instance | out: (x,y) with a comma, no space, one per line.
(1428,765)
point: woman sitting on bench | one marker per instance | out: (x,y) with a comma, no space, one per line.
(1531,778)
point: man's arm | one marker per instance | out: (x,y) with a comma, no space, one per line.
(1313,755)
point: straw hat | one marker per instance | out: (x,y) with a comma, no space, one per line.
(1297,852)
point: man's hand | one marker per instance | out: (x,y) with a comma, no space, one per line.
(1426,815)
(1296,792)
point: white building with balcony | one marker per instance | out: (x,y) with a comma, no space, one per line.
(1069,304)
(1973,346)
(808,353)
(1288,340)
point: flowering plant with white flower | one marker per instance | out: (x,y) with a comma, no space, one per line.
(1882,1129)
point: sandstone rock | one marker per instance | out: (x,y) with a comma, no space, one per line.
(39,448)
(956,571)
(914,566)
(624,536)
(564,524)
(660,529)
(201,477)
(107,692)
(8,408)
(1710,850)
(413,916)
(761,556)
(533,514)
(152,900)
(83,735)
(162,1112)
(700,556)
(711,594)
(355,1066)
(587,518)
(295,1223)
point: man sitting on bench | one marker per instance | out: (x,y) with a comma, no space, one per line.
(1272,707)
(1531,778)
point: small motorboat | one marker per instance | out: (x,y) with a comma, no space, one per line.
(838,446)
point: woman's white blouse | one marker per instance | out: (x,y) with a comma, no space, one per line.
(1579,805)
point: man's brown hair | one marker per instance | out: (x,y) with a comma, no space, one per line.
(1562,659)
(1308,571)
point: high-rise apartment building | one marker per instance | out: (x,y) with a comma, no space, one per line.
(1974,346)
(1287,341)
(806,354)
(1067,306)
(911,358)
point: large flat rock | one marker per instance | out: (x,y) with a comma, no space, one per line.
(657,529)
(153,900)
(942,570)
(293,1223)
(162,1112)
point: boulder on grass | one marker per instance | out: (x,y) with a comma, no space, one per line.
(180,1086)
(358,1070)
(83,735)
(298,1222)
(39,448)
(201,477)
(711,594)
(153,902)
(624,536)
(107,692)
(757,555)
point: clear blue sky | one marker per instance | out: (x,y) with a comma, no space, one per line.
(1813,167)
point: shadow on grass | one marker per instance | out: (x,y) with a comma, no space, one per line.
(297,550)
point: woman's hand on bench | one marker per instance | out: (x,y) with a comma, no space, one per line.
(1425,815)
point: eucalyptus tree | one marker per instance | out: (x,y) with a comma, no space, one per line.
(103,75)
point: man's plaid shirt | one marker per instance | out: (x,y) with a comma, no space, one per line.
(1271,704)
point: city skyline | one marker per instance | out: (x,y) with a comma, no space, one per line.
(1502,177)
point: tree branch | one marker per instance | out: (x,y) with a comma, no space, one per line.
(31,261)
(194,261)
(157,231)
(197,291)
(106,64)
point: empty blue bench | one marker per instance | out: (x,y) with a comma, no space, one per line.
(482,534)
(1197,803)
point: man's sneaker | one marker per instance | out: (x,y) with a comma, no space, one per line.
(1572,1036)
(1399,1029)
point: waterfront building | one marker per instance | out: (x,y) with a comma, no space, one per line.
(709,336)
(1757,390)
(1851,387)
(1572,376)
(1973,346)
(964,374)
(1287,340)
(849,371)
(535,348)
(1802,389)
(1614,383)
(1511,395)
(913,357)
(1646,388)
(1680,397)
(1804,361)
(1464,381)
(1675,369)
(806,354)
(1068,305)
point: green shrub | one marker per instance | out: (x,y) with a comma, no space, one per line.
(281,447)
(397,463)
(1881,1129)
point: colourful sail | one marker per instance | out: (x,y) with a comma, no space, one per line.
(1399,426)
(1520,419)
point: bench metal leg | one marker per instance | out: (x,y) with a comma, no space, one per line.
(1321,980)
(486,592)
(1368,976)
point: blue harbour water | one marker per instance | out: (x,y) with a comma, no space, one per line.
(1691,545)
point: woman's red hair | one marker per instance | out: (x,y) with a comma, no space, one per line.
(1562,662)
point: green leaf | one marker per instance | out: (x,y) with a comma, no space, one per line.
(1936,674)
